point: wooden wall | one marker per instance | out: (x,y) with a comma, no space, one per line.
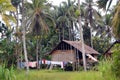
(63,55)
(68,55)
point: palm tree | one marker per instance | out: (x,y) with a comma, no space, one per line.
(5,6)
(16,4)
(61,21)
(70,13)
(38,18)
(105,30)
(115,18)
(65,19)
(90,17)
(24,33)
(81,36)
(103,4)
(116,21)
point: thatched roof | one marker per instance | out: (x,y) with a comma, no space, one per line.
(77,45)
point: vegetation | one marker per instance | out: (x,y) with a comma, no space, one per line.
(116,60)
(60,23)
(58,75)
(100,44)
(5,5)
(105,68)
(34,28)
(116,22)
(7,74)
(110,67)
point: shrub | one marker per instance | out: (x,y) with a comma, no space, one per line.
(105,68)
(6,74)
(116,62)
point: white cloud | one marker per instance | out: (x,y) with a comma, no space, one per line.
(56,2)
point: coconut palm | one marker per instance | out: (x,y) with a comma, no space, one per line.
(81,37)
(38,19)
(65,19)
(105,30)
(116,21)
(90,17)
(16,4)
(24,34)
(103,4)
(70,8)
(6,7)
(61,21)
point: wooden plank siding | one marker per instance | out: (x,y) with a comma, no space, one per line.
(64,55)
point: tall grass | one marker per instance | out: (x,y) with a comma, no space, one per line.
(104,73)
(58,75)
(104,68)
(116,61)
(7,74)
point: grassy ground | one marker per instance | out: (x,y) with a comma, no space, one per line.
(58,75)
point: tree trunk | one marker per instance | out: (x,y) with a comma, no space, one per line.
(61,34)
(37,56)
(23,37)
(25,50)
(91,21)
(69,34)
(91,41)
(81,36)
(18,66)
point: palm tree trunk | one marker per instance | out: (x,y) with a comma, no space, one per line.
(91,41)
(40,54)
(25,50)
(69,34)
(17,19)
(24,38)
(17,39)
(91,21)
(81,36)
(61,34)
(37,56)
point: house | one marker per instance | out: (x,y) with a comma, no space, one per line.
(71,51)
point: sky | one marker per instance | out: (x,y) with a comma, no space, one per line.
(57,2)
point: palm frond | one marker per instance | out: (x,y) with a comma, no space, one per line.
(109,4)
(116,22)
(102,4)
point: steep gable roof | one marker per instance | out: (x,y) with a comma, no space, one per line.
(77,45)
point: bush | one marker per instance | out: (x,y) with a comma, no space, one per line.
(105,68)
(6,74)
(116,62)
